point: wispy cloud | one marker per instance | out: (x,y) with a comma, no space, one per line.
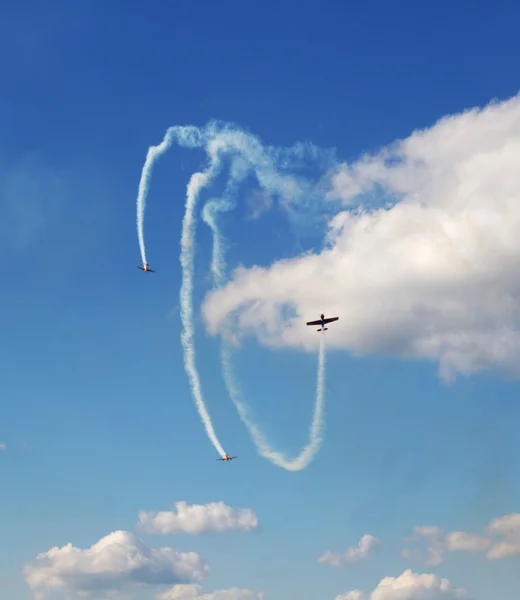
(258,203)
(362,551)
(434,543)
(31,198)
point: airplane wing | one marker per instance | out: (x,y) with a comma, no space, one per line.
(219,459)
(316,322)
(330,320)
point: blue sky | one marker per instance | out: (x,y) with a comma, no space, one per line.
(96,412)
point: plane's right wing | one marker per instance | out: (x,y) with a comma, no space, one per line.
(315,322)
(330,320)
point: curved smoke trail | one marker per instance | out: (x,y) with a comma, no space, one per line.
(303,459)
(247,154)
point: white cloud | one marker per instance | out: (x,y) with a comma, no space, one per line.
(194,592)
(459,541)
(410,586)
(508,527)
(434,275)
(198,518)
(115,563)
(436,543)
(354,554)
(3,446)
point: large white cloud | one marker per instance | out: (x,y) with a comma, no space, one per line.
(194,592)
(362,551)
(434,274)
(115,563)
(410,586)
(435,542)
(198,518)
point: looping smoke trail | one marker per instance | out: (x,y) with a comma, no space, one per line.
(247,154)
(303,459)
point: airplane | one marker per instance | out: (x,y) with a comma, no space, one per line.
(146,268)
(322,322)
(226,458)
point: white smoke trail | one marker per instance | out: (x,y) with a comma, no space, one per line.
(197,182)
(154,152)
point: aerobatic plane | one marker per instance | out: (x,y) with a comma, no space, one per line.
(322,322)
(146,268)
(226,458)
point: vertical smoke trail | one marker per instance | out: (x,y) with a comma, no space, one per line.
(197,182)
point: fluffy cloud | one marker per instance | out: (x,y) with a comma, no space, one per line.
(433,274)
(436,543)
(410,586)
(197,518)
(354,554)
(194,592)
(115,563)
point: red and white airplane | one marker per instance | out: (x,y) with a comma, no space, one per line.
(322,322)
(146,268)
(226,458)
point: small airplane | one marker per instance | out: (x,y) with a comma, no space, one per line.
(322,322)
(146,268)
(226,458)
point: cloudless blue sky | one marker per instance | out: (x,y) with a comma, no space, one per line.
(95,407)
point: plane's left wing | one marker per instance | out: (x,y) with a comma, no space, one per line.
(315,322)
